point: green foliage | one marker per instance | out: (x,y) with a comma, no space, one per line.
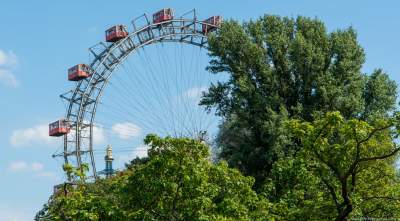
(283,68)
(176,182)
(76,173)
(180,183)
(344,170)
(292,70)
(91,201)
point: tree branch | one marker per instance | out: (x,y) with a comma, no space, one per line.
(333,194)
(375,131)
(380,157)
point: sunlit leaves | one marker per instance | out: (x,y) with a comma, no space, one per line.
(345,164)
(177,182)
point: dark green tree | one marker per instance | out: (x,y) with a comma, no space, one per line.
(285,68)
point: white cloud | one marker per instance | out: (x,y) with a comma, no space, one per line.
(140,151)
(7,62)
(37,166)
(38,134)
(8,78)
(46,174)
(18,166)
(126,130)
(195,93)
(99,136)
(8,59)
(3,57)
(22,166)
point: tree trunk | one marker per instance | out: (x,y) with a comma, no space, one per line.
(343,215)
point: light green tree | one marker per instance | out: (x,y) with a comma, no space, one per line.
(179,182)
(344,170)
(176,182)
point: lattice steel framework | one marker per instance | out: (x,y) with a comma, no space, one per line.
(84,99)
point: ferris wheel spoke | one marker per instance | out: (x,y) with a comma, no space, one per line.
(169,102)
(142,124)
(132,94)
(117,116)
(156,90)
(155,94)
(179,81)
(188,98)
(139,83)
(166,78)
(119,110)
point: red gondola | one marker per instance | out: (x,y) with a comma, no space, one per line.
(116,33)
(79,72)
(215,21)
(165,14)
(58,128)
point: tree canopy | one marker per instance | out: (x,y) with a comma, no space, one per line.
(177,182)
(344,167)
(282,68)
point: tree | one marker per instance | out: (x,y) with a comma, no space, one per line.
(344,170)
(284,68)
(176,182)
(180,183)
(100,200)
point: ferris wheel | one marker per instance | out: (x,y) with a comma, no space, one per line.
(148,78)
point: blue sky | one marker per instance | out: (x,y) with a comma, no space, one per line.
(41,39)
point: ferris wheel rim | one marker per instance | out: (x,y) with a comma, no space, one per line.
(168,31)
